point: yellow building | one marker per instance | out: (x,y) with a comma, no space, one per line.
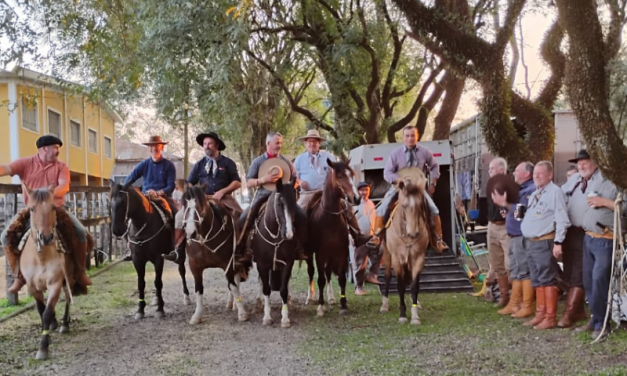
(32,105)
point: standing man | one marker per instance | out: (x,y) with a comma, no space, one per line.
(576,190)
(366,215)
(545,225)
(410,155)
(219,174)
(40,171)
(311,167)
(522,290)
(498,240)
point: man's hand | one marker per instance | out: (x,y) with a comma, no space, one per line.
(218,195)
(499,199)
(598,202)
(304,185)
(557,251)
(431,189)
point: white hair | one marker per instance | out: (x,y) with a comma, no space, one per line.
(501,162)
(271,135)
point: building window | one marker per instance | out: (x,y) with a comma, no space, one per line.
(75,130)
(93,141)
(29,114)
(107,147)
(54,123)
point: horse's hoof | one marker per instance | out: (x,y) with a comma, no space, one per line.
(194,321)
(186,300)
(402,320)
(159,314)
(229,305)
(242,317)
(343,311)
(285,324)
(308,301)
(41,355)
(384,310)
(54,325)
(64,329)
(154,301)
(267,321)
(139,316)
(331,301)
(415,322)
(320,311)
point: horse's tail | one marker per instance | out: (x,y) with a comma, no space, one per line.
(69,287)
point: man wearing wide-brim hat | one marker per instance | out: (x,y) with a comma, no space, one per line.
(311,166)
(218,174)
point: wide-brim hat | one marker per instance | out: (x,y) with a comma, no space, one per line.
(201,138)
(414,174)
(275,163)
(155,140)
(582,154)
(312,133)
(502,183)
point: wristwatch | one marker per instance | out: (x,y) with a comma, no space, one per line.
(557,243)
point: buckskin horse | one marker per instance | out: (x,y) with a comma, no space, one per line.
(274,244)
(45,265)
(406,243)
(328,233)
(150,236)
(211,237)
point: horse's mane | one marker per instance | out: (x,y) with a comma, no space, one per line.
(41,195)
(195,192)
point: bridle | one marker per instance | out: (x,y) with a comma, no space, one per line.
(127,219)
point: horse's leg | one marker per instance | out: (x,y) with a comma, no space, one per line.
(199,288)
(47,317)
(229,300)
(65,323)
(401,278)
(140,268)
(322,279)
(182,272)
(415,288)
(310,271)
(259,304)
(328,274)
(341,279)
(385,301)
(159,286)
(234,282)
(285,295)
(264,275)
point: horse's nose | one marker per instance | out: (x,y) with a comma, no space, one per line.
(46,239)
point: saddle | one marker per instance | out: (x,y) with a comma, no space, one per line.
(313,203)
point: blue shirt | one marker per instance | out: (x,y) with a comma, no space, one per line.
(313,173)
(220,178)
(511,224)
(159,175)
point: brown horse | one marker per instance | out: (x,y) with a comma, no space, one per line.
(211,235)
(45,266)
(406,244)
(328,233)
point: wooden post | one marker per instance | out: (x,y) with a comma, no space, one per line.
(9,213)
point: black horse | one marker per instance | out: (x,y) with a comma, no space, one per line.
(150,236)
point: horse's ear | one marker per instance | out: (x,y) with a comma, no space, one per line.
(279,185)
(293,181)
(204,187)
(329,163)
(26,189)
(348,162)
(125,187)
(401,184)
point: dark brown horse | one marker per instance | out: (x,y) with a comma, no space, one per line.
(149,235)
(328,233)
(211,234)
(274,243)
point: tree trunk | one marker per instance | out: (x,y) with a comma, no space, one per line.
(454,87)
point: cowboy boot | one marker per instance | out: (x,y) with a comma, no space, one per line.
(550,298)
(80,256)
(437,240)
(379,229)
(527,300)
(504,291)
(179,239)
(243,251)
(515,300)
(14,263)
(540,308)
(575,310)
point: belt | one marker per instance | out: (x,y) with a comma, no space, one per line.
(513,236)
(500,223)
(550,236)
(608,235)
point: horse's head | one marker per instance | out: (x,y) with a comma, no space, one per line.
(411,198)
(342,178)
(120,205)
(43,218)
(194,204)
(284,205)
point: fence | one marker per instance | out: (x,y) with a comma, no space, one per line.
(89,204)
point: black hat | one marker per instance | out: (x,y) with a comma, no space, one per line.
(583,154)
(48,140)
(363,184)
(201,137)
(502,183)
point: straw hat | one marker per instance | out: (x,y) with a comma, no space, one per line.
(312,133)
(155,140)
(275,164)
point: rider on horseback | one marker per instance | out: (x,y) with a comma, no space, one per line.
(39,171)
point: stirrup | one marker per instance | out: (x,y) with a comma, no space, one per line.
(374,241)
(172,256)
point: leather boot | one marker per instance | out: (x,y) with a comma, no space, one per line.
(379,228)
(504,291)
(540,308)
(14,263)
(243,251)
(528,297)
(550,298)
(575,310)
(179,238)
(80,256)
(515,299)
(438,242)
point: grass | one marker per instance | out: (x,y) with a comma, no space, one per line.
(6,309)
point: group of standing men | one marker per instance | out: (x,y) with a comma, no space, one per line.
(574,223)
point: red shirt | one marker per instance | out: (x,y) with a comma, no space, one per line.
(36,174)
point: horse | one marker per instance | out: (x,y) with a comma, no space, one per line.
(45,266)
(274,243)
(211,239)
(150,236)
(406,243)
(328,233)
